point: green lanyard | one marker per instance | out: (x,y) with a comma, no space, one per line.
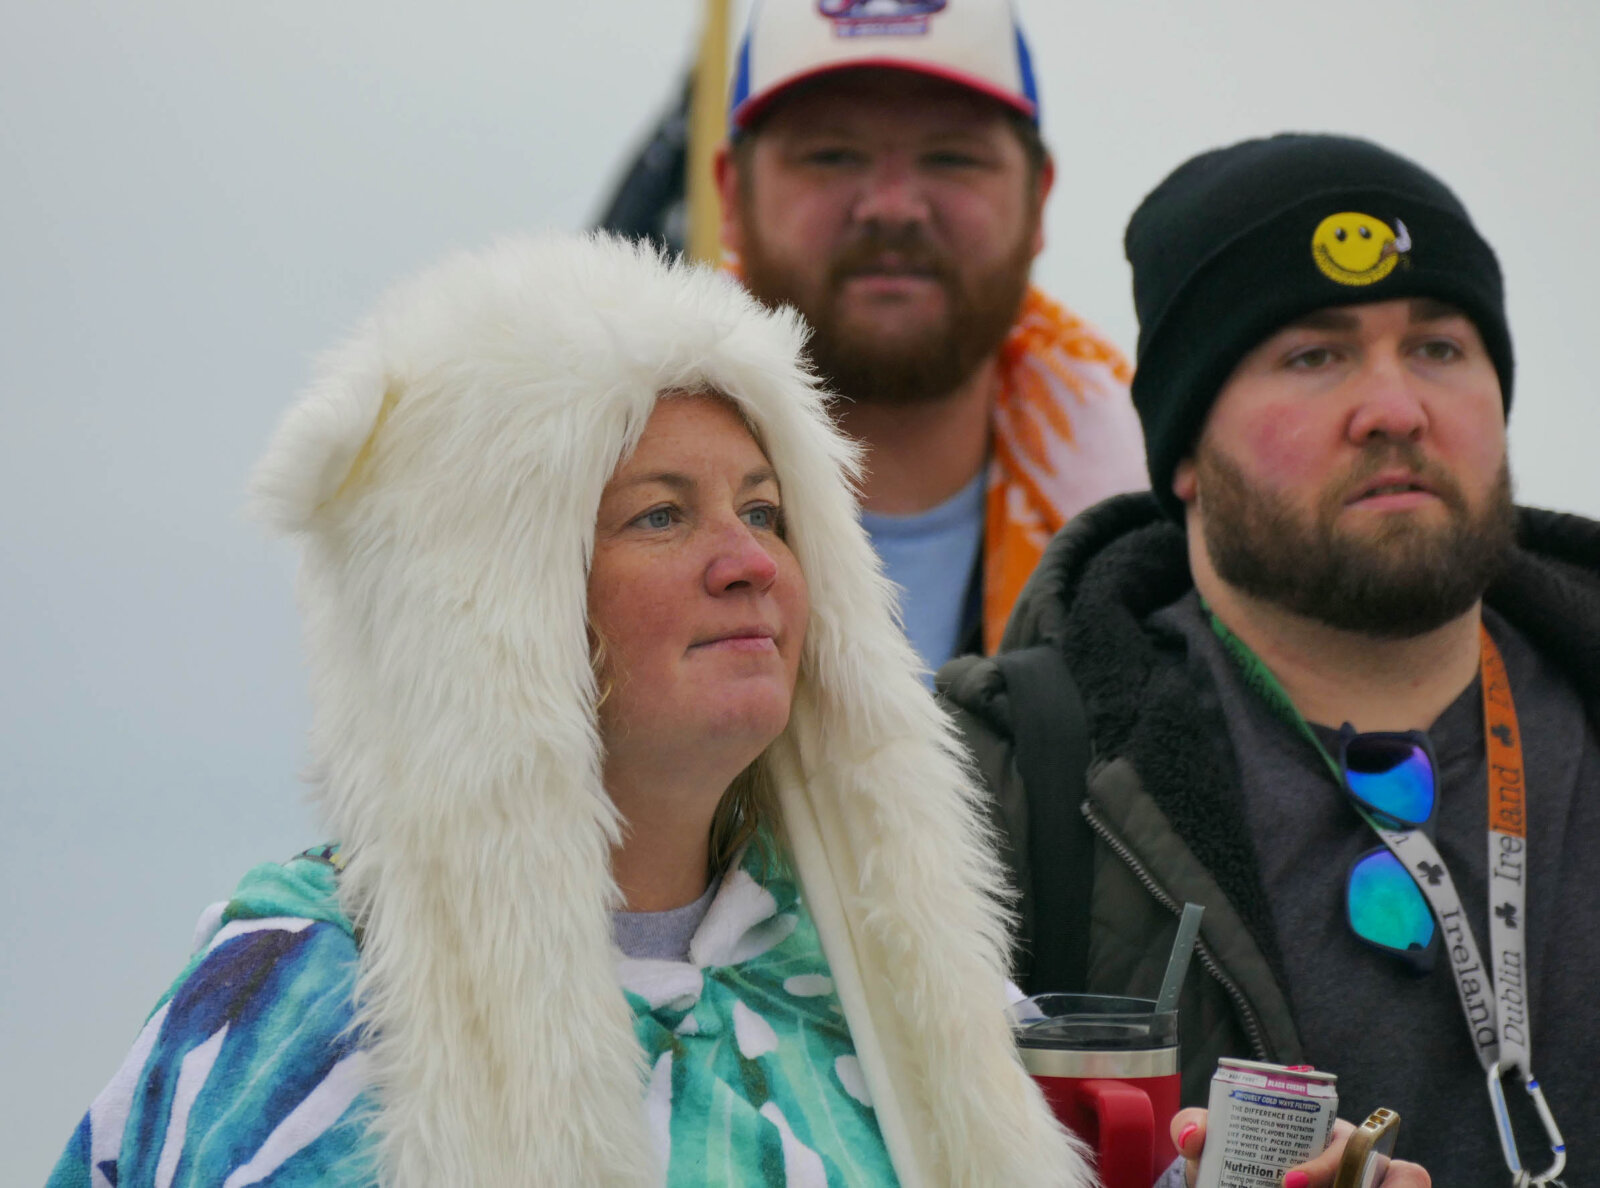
(1264,685)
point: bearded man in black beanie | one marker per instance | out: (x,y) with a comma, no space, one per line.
(1332,684)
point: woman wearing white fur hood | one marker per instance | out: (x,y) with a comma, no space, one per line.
(600,657)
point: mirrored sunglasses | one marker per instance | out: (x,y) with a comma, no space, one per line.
(1392,776)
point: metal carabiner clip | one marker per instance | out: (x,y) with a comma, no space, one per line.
(1508,1139)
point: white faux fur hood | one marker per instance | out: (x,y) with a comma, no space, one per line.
(443,475)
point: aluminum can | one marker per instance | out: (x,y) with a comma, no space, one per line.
(1264,1119)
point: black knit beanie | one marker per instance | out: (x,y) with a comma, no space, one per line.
(1240,241)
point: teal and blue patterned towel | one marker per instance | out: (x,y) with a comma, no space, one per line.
(248,1071)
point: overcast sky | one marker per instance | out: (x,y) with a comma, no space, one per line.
(196,197)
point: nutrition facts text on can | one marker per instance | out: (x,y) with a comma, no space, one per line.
(1264,1120)
(1263,1125)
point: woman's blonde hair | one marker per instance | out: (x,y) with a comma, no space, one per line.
(746,814)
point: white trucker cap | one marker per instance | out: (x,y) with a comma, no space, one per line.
(975,43)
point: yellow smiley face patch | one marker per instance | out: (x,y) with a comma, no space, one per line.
(1358,249)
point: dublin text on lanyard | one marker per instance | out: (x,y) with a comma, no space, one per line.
(1494,998)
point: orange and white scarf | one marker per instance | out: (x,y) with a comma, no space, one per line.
(1064,435)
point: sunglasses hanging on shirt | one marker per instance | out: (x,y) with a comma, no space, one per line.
(1392,778)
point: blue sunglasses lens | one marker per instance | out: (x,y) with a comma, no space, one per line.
(1391,775)
(1386,907)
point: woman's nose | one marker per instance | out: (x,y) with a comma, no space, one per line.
(741,561)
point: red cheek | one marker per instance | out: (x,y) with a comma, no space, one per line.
(650,621)
(635,613)
(1276,447)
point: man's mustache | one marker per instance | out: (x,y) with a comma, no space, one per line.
(1387,454)
(903,252)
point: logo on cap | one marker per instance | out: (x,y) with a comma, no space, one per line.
(858,18)
(1357,249)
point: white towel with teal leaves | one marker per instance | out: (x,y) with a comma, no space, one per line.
(248,1072)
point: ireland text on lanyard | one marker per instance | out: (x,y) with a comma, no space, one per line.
(1497,1009)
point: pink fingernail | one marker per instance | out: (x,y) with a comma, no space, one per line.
(1296,1179)
(1183,1135)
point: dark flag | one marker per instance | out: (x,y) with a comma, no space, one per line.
(649,201)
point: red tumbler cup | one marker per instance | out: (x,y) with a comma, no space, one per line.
(1109,1068)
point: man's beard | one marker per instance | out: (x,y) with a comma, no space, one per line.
(855,359)
(1402,579)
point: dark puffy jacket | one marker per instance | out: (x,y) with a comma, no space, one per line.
(1163,794)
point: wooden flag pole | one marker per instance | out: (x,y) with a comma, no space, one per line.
(708,115)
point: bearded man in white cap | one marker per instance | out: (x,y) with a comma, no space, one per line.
(886,176)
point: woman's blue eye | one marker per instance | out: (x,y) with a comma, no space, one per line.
(765,518)
(657,517)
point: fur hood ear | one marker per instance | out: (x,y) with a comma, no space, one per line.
(443,475)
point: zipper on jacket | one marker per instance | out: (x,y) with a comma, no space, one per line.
(1247,1014)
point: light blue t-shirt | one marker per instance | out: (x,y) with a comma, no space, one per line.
(930,556)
